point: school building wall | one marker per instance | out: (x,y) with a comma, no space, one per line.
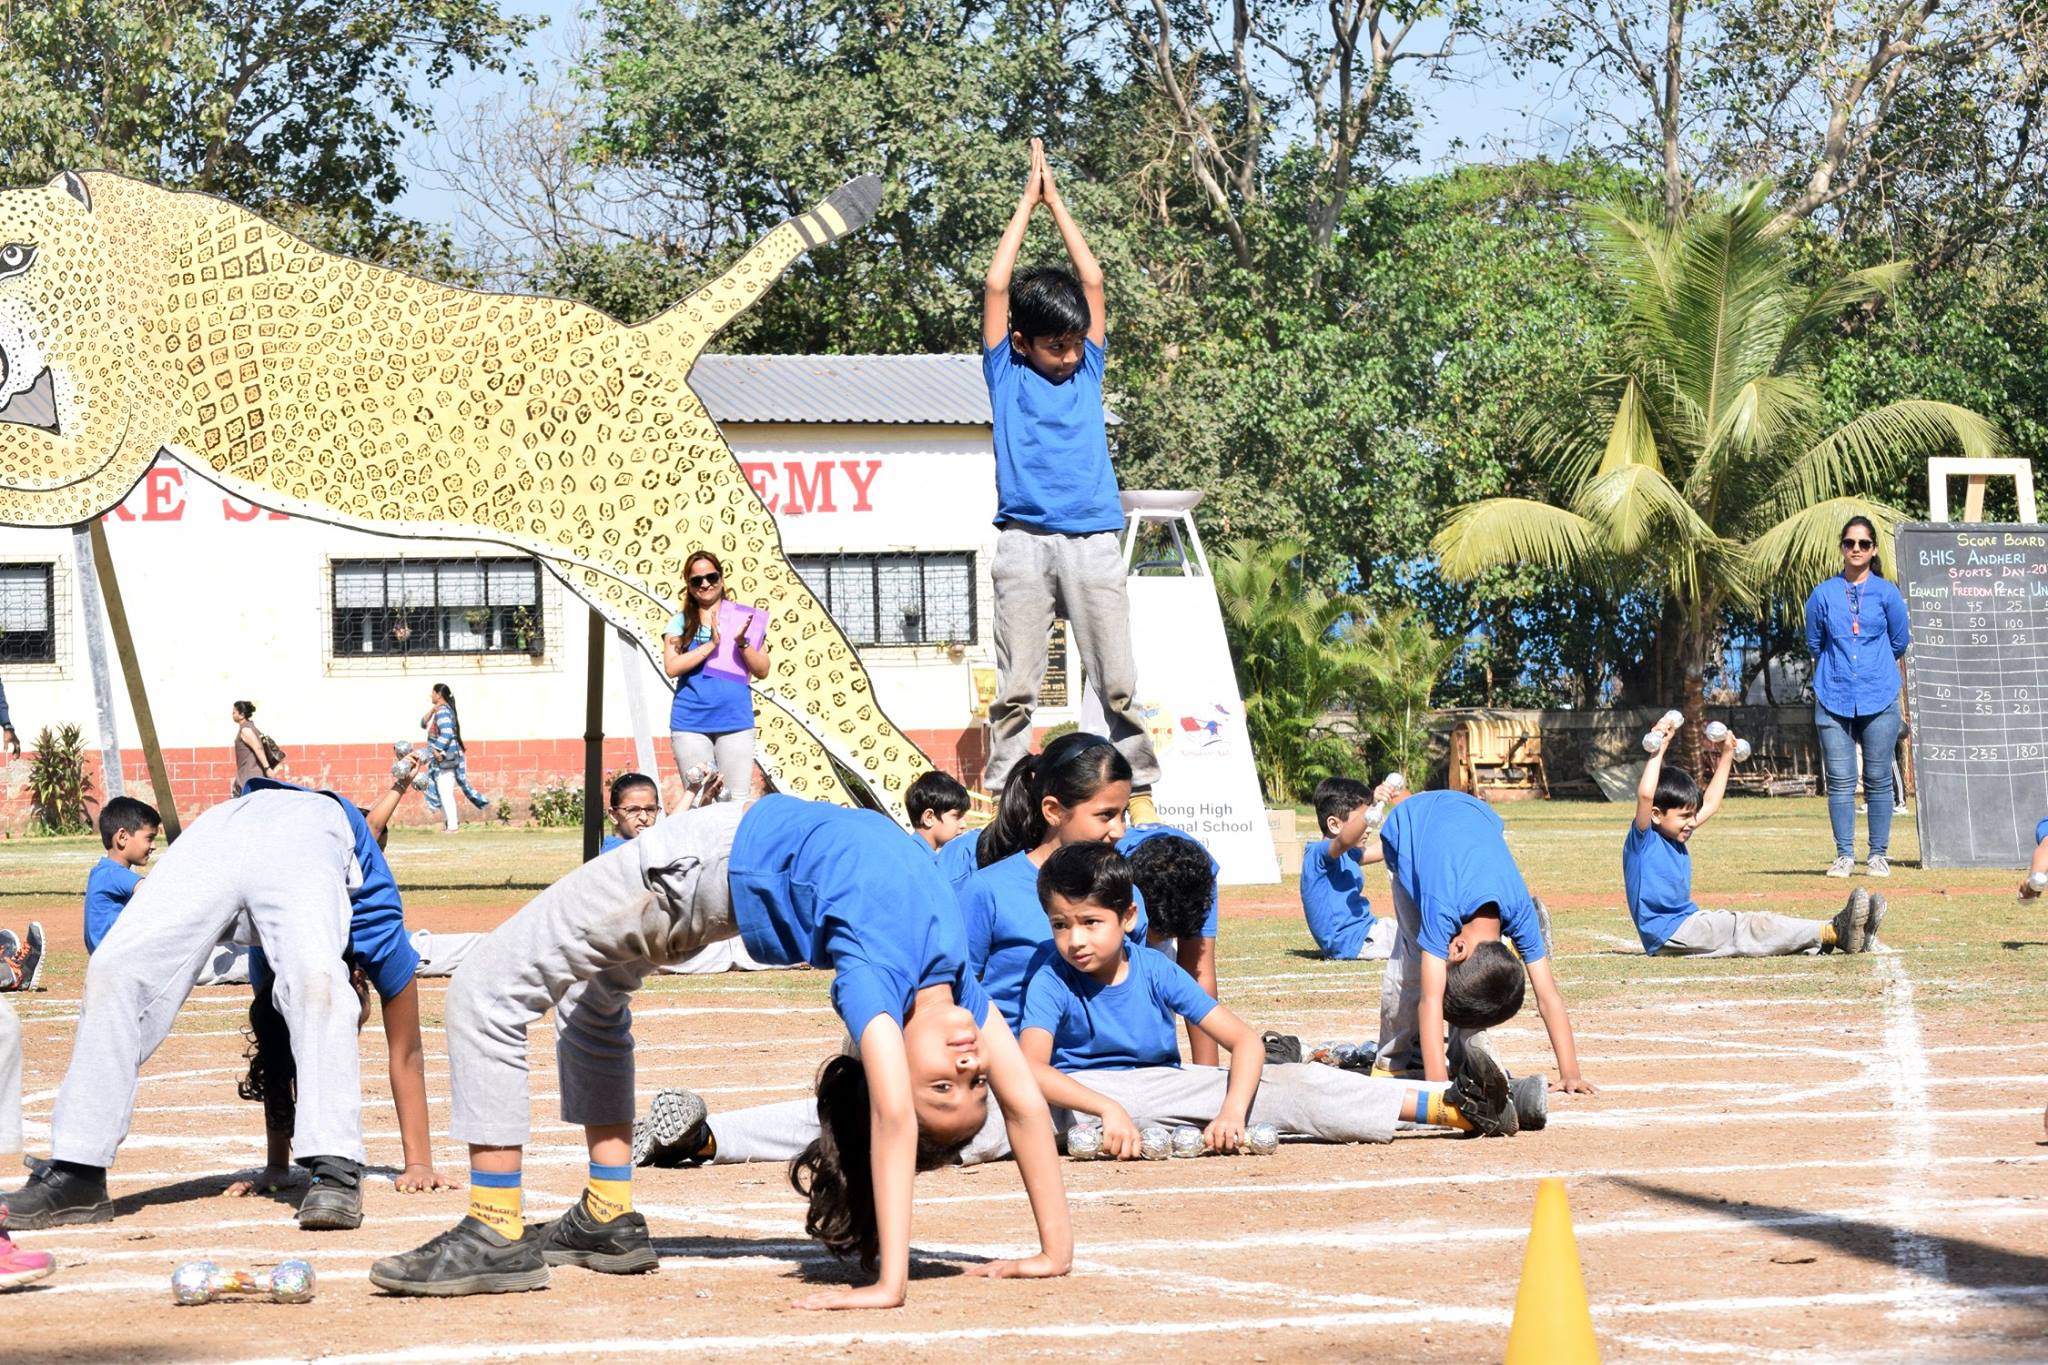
(227,601)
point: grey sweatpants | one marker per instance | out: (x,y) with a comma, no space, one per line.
(1743,933)
(1306,1100)
(1401,994)
(285,860)
(1040,575)
(1379,941)
(10,1079)
(581,948)
(731,752)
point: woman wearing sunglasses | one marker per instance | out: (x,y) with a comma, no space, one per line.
(714,648)
(1857,630)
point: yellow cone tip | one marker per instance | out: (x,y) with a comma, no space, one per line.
(1553,1323)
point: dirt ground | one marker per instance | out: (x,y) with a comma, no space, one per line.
(1836,1158)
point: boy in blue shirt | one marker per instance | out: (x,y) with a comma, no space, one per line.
(1456,892)
(1656,869)
(1333,898)
(937,806)
(128,830)
(1057,504)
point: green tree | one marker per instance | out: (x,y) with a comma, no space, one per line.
(1398,661)
(1701,467)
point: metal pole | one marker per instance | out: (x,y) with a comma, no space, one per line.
(593,739)
(96,652)
(131,672)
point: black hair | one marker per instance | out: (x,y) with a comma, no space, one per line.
(1072,769)
(1046,301)
(1876,561)
(835,1172)
(1172,871)
(126,815)
(625,782)
(937,792)
(273,1077)
(247,708)
(1485,989)
(1095,874)
(1677,789)
(447,696)
(1336,798)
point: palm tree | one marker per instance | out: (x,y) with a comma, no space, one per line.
(1699,468)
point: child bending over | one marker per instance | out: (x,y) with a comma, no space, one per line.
(1656,870)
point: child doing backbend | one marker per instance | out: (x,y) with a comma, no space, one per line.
(1656,870)
(846,889)
(1456,891)
(1099,1024)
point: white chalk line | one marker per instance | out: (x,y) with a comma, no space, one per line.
(1918,1260)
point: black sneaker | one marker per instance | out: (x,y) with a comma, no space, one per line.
(331,1208)
(29,965)
(1479,1090)
(675,1131)
(1877,909)
(57,1198)
(1282,1049)
(1530,1096)
(469,1258)
(619,1247)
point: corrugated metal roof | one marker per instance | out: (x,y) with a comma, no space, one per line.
(939,389)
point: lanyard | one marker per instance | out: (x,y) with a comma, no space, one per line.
(1854,592)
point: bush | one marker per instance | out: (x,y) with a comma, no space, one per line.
(558,805)
(57,783)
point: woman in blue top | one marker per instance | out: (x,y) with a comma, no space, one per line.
(450,763)
(1857,631)
(714,648)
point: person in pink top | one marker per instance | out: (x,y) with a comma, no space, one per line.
(714,648)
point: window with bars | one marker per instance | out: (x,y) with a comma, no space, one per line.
(907,599)
(28,625)
(402,607)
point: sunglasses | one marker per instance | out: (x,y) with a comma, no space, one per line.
(1849,544)
(704,580)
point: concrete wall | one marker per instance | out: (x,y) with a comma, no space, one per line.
(1782,738)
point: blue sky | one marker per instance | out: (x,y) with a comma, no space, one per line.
(1468,120)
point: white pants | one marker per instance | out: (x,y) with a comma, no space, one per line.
(1401,994)
(444,787)
(1379,940)
(731,752)
(284,861)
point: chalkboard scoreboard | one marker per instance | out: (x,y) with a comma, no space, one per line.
(1977,683)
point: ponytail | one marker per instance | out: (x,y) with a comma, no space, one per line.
(447,696)
(836,1171)
(1071,770)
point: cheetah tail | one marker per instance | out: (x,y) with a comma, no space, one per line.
(683,331)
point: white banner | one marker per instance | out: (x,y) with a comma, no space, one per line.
(1187,692)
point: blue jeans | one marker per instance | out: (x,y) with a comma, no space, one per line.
(1839,735)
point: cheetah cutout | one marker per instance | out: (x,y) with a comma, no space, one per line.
(136,321)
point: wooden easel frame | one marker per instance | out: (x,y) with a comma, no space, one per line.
(1942,468)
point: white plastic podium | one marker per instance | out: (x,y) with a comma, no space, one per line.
(1187,692)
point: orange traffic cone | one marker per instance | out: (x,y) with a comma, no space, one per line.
(1553,1324)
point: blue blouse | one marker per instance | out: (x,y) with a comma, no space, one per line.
(1856,634)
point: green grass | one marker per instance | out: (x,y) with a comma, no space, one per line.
(1968,945)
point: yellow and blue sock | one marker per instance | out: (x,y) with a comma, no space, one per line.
(1430,1107)
(610,1192)
(494,1201)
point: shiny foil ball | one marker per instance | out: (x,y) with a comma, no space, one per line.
(1084,1142)
(694,775)
(1262,1139)
(1187,1142)
(292,1282)
(400,747)
(192,1283)
(1155,1143)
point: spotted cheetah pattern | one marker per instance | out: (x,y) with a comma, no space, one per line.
(135,320)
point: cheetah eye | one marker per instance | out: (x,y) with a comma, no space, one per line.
(16,257)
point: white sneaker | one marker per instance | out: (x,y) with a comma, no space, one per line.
(1878,866)
(1842,866)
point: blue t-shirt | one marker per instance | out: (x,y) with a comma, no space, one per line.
(2041,831)
(1658,876)
(1133,1023)
(708,703)
(107,889)
(1334,901)
(956,859)
(612,841)
(848,890)
(1138,834)
(377,936)
(1856,635)
(1052,450)
(1007,931)
(1446,852)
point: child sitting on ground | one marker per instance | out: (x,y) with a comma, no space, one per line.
(1656,870)
(1057,507)
(937,806)
(128,830)
(1333,898)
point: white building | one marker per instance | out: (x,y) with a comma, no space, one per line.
(878,470)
